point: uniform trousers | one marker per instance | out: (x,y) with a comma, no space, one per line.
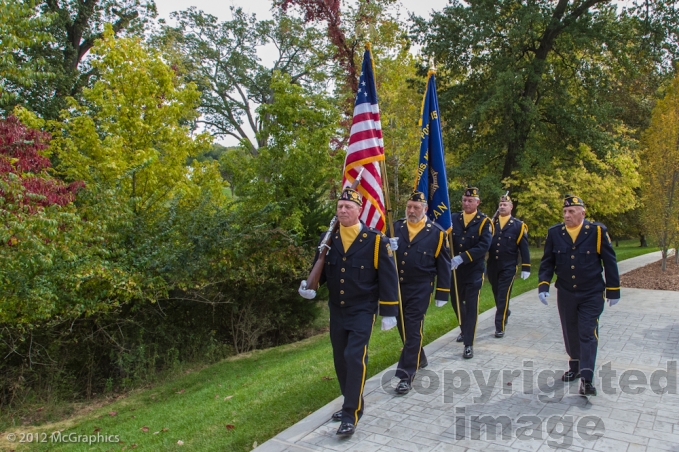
(466,303)
(579,313)
(501,278)
(415,300)
(350,330)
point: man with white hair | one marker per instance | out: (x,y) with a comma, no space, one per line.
(471,237)
(362,283)
(575,250)
(422,253)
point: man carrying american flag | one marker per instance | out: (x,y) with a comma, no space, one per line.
(359,268)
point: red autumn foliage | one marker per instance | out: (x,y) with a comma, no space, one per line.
(20,149)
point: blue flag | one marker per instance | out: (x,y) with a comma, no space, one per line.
(431,170)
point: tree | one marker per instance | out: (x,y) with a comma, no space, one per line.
(73,28)
(131,132)
(221,58)
(20,28)
(289,177)
(660,191)
(524,86)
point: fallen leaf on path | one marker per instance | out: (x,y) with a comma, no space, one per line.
(144,429)
(96,429)
(227,397)
(164,429)
(230,426)
(180,392)
(325,377)
(113,413)
(180,443)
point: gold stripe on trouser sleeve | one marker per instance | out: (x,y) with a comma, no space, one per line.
(457,302)
(419,352)
(365,370)
(478,302)
(596,335)
(504,316)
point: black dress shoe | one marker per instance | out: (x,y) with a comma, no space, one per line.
(460,338)
(403,387)
(337,415)
(468,352)
(346,429)
(587,388)
(499,334)
(570,376)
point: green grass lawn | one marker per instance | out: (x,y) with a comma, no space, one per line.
(250,398)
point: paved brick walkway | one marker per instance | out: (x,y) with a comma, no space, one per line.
(506,398)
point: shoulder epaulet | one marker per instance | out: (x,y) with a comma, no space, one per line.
(557,226)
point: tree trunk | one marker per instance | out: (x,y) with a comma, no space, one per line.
(664,259)
(642,241)
(528,99)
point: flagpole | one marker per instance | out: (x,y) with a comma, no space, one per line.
(387,206)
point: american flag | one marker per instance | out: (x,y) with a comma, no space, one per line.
(366,148)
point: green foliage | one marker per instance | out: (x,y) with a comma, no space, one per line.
(221,58)
(660,191)
(524,87)
(289,176)
(152,266)
(20,29)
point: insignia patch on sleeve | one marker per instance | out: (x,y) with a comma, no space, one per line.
(609,238)
(389,251)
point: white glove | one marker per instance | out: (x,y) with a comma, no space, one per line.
(612,301)
(525,275)
(393,243)
(457,260)
(543,297)
(440,303)
(306,293)
(388,323)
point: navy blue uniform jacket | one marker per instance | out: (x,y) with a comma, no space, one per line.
(508,242)
(471,243)
(425,258)
(578,265)
(365,276)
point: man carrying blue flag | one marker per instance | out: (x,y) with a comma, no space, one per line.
(423,255)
